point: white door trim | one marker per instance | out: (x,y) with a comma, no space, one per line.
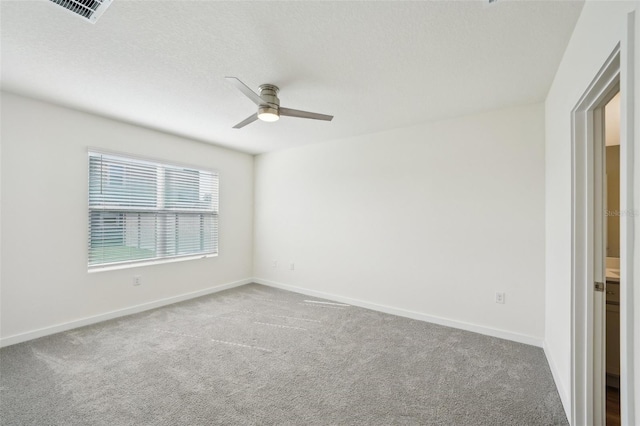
(583,241)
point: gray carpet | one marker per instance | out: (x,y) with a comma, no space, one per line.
(257,355)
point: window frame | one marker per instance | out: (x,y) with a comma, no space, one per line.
(162,212)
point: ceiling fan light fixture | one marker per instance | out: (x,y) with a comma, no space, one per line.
(269,108)
(268,113)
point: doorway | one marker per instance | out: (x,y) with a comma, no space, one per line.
(612,260)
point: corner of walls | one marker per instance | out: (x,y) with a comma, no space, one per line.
(253,213)
(565,396)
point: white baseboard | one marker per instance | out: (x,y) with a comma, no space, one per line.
(489,331)
(30,335)
(565,398)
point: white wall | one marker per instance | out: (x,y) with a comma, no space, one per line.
(600,27)
(44,218)
(432,219)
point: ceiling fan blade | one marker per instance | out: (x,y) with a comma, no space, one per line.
(246,121)
(304,114)
(245,89)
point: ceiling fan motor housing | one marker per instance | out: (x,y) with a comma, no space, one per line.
(269,93)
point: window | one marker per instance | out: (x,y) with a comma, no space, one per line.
(143,211)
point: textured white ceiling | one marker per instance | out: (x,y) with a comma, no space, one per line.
(373,65)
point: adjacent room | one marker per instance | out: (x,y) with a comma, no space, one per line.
(319,212)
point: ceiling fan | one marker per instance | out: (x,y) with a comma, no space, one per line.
(269,108)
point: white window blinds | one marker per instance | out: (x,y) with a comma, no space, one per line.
(142,210)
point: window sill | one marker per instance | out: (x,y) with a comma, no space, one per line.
(115,267)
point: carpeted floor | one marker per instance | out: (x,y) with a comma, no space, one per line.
(257,355)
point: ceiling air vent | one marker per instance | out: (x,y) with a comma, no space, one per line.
(89,10)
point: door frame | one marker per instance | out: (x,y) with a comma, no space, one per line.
(587,402)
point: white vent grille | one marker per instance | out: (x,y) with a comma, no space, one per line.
(90,10)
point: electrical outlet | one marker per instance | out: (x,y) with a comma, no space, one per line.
(274,263)
(292,266)
(499,297)
(137,279)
